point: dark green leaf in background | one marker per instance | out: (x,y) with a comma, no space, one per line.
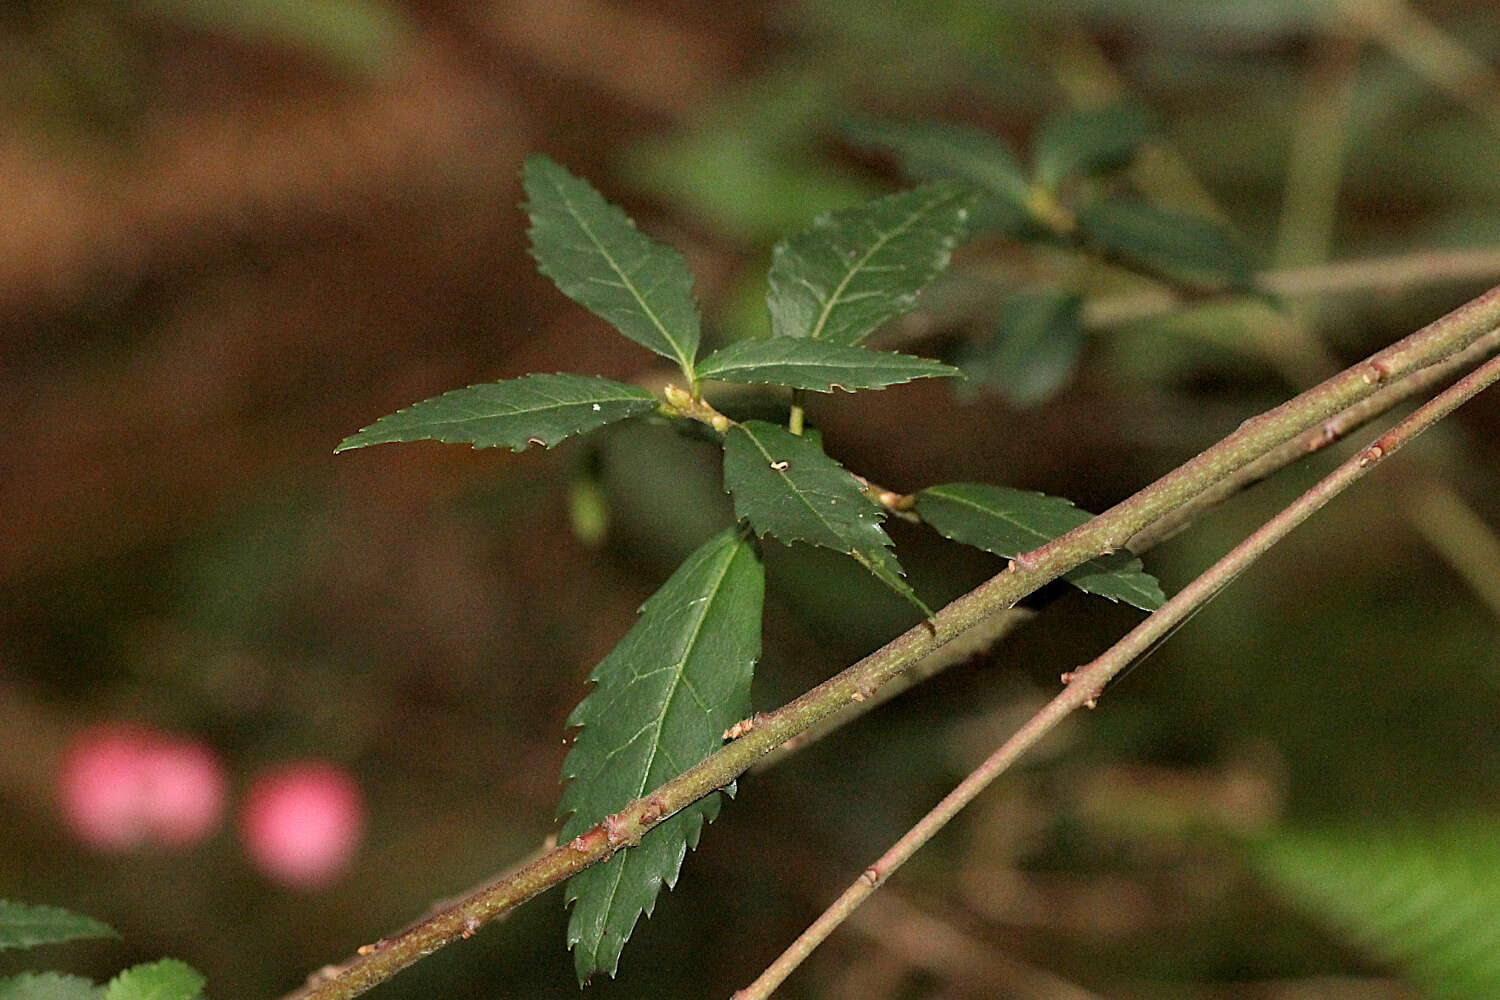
(23,925)
(798,363)
(1088,142)
(1173,245)
(1034,350)
(938,151)
(599,259)
(752,164)
(663,698)
(785,486)
(1008,522)
(533,409)
(167,979)
(49,986)
(1422,896)
(856,268)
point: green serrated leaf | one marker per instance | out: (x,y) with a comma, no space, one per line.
(798,363)
(1088,142)
(609,898)
(1422,896)
(1176,246)
(598,258)
(533,409)
(784,485)
(1034,350)
(663,699)
(1008,522)
(23,925)
(938,151)
(167,979)
(856,268)
(49,986)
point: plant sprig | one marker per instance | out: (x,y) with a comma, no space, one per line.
(624,828)
(831,286)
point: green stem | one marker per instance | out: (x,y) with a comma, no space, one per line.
(1110,530)
(794,420)
(1085,684)
(1317,438)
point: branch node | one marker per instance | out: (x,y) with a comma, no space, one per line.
(1330,431)
(656,808)
(872,877)
(471,926)
(739,729)
(616,831)
(1375,372)
(1371,454)
(744,726)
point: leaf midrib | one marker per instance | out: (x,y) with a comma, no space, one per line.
(879,365)
(556,404)
(879,245)
(626,282)
(799,493)
(713,593)
(1090,566)
(1009,519)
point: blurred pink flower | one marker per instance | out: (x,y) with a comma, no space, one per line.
(302,823)
(123,786)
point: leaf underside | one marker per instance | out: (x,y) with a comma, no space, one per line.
(23,925)
(533,409)
(1008,522)
(663,698)
(167,979)
(858,267)
(597,257)
(798,363)
(784,485)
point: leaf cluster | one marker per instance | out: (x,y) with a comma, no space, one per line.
(1072,195)
(680,678)
(27,926)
